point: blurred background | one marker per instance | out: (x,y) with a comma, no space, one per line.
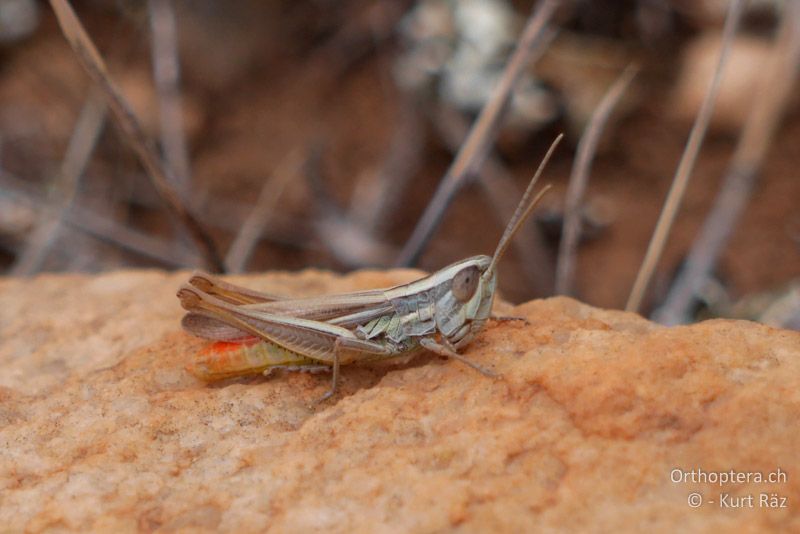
(314,134)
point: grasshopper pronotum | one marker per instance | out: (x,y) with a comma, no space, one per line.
(257,332)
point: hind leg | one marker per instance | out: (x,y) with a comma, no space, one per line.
(311,368)
(508,318)
(352,345)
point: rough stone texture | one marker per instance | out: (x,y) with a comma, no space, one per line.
(101,427)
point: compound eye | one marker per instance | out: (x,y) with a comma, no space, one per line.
(465,283)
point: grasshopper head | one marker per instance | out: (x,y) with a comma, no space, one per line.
(467,302)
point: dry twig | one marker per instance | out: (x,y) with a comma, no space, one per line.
(81,145)
(503,195)
(253,227)
(374,202)
(579,179)
(103,228)
(686,165)
(349,241)
(166,72)
(481,136)
(130,126)
(769,106)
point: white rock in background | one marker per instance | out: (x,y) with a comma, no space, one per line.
(457,51)
(18,19)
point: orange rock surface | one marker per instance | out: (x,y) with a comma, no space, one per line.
(101,428)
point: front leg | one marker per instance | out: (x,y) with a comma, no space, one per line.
(442,350)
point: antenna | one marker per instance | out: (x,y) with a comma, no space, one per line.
(524,208)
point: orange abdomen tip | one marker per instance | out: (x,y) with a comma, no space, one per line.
(221,347)
(220,359)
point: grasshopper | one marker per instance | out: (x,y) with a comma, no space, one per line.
(258,333)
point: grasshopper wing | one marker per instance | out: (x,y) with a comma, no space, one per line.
(208,327)
(314,339)
(347,309)
(229,292)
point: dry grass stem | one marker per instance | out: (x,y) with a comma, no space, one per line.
(769,106)
(79,150)
(503,195)
(166,72)
(374,201)
(350,242)
(579,179)
(103,228)
(252,229)
(686,165)
(170,253)
(531,45)
(130,126)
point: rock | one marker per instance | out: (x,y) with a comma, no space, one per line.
(18,19)
(102,429)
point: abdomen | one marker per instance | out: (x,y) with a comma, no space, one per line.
(224,359)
